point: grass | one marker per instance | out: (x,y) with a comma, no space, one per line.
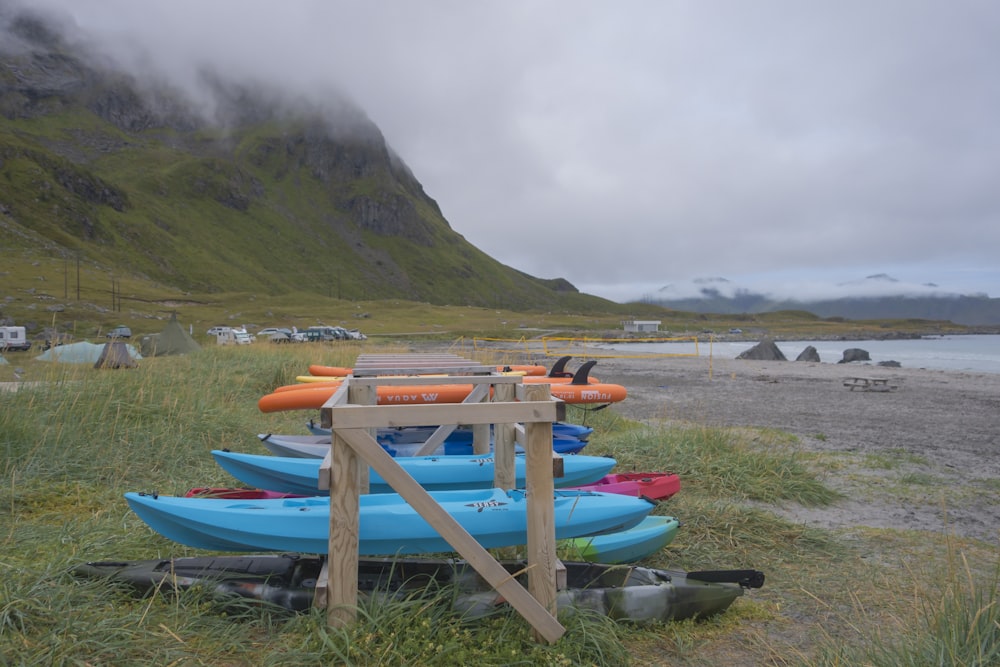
(70,446)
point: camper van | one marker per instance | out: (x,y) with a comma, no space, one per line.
(233,337)
(13,338)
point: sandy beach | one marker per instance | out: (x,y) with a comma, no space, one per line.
(938,431)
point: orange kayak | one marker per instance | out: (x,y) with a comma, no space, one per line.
(314,395)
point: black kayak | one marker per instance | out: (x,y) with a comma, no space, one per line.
(288,580)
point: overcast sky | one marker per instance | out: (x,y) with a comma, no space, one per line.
(630,145)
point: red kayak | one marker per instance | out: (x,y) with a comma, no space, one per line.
(652,485)
(236,493)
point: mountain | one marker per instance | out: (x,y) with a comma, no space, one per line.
(876,297)
(242,191)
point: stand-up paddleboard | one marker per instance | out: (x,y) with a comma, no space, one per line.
(310,396)
(343,371)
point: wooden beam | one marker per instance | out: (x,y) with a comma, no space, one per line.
(420,380)
(541,513)
(541,618)
(363,416)
(503,443)
(362,394)
(339,397)
(342,547)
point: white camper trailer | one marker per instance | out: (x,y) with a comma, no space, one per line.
(13,338)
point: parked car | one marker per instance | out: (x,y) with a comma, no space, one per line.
(215,331)
(354,334)
(270,331)
(275,334)
(324,333)
(120,331)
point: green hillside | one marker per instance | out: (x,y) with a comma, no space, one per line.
(132,182)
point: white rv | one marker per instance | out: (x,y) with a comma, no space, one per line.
(233,337)
(13,338)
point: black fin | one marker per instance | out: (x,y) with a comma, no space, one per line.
(583,372)
(558,369)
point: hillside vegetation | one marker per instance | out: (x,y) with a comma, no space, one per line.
(131,181)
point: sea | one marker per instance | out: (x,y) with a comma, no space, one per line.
(978,353)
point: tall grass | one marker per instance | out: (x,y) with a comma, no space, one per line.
(73,444)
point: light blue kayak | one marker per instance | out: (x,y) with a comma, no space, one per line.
(388,525)
(627,546)
(434,473)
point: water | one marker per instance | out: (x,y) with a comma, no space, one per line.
(977,353)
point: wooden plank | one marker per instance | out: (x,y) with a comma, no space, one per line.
(403,369)
(539,616)
(342,546)
(339,397)
(363,394)
(504,476)
(541,512)
(364,416)
(430,380)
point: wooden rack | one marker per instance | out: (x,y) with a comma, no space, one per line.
(353,416)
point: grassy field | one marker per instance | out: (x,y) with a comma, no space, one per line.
(75,439)
(85,301)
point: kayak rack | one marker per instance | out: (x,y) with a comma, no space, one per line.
(353,417)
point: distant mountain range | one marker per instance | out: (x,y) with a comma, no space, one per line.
(876,297)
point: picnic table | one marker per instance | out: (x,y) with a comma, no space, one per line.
(869,384)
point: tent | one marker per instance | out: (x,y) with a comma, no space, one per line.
(81,353)
(115,354)
(172,340)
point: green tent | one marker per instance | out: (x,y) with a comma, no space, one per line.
(172,340)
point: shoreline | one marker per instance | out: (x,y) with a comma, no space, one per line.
(923,456)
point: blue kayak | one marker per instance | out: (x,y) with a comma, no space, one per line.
(411,434)
(316,446)
(627,546)
(434,473)
(388,525)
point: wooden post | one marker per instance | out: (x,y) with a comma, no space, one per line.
(541,513)
(481,432)
(342,547)
(504,476)
(362,394)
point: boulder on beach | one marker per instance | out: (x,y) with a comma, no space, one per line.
(765,350)
(808,354)
(854,354)
(891,363)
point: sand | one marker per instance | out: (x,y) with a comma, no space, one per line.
(925,455)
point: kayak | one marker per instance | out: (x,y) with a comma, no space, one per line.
(313,395)
(652,485)
(316,446)
(409,434)
(388,524)
(343,371)
(631,594)
(434,473)
(627,546)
